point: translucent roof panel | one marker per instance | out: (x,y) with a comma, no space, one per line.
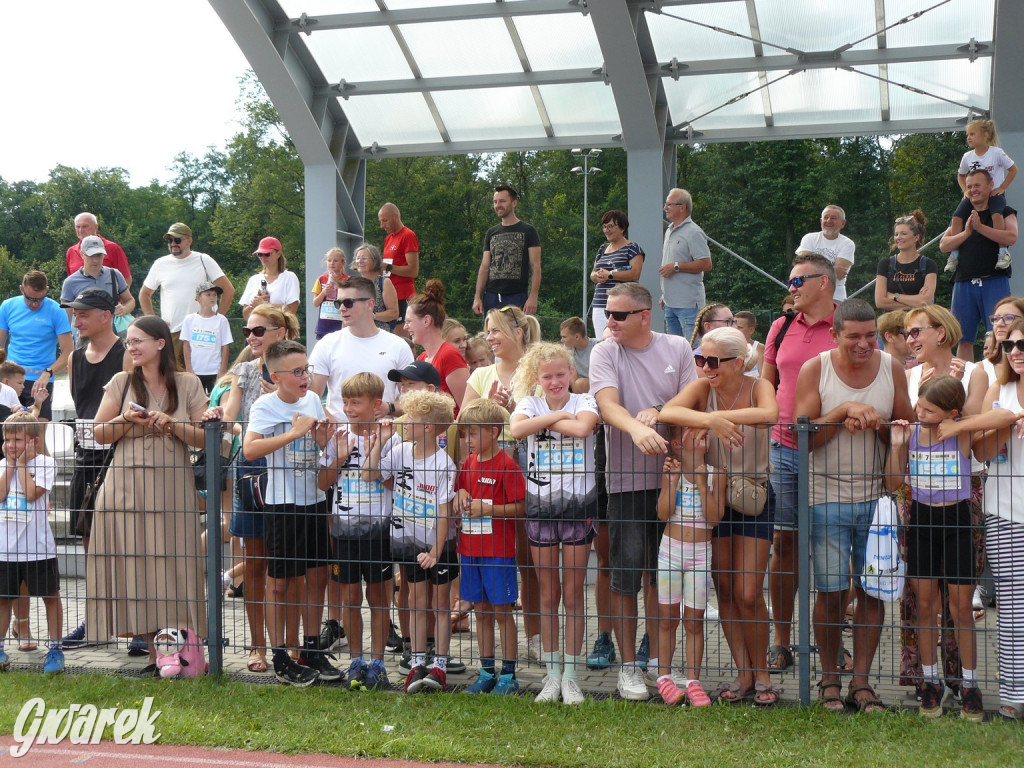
(955,22)
(825,95)
(401,118)
(815,26)
(690,97)
(480,47)
(674,38)
(958,81)
(358,54)
(581,108)
(489,113)
(577,43)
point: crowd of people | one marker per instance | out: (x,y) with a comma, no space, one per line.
(474,478)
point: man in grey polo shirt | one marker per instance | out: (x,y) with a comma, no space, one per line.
(685,258)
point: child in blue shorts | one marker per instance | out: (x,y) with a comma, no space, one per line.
(490,494)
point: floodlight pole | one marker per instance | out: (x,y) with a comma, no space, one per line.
(586,171)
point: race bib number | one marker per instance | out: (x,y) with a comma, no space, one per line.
(203,338)
(15,508)
(415,508)
(561,457)
(689,507)
(353,491)
(477,526)
(935,470)
(302,455)
(329,312)
(84,435)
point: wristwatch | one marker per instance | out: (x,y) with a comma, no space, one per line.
(49,371)
(675,266)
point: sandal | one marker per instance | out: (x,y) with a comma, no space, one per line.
(867,705)
(256,662)
(766,694)
(26,642)
(237,590)
(831,702)
(844,662)
(460,621)
(733,693)
(780,658)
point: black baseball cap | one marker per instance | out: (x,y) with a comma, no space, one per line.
(92,298)
(418,370)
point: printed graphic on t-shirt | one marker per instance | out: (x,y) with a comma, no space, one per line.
(935,470)
(507,251)
(477,525)
(414,507)
(560,456)
(84,435)
(329,312)
(15,508)
(204,338)
(689,507)
(302,455)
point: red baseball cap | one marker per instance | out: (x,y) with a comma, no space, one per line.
(268,244)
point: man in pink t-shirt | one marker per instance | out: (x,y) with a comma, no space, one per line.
(812,285)
(402,248)
(86,224)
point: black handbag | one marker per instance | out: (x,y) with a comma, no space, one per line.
(252,491)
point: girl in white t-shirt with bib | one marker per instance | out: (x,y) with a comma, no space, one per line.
(561,502)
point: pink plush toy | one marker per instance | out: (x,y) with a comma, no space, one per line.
(179,653)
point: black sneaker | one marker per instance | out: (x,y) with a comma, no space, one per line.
(454,666)
(394,642)
(405,664)
(290,673)
(931,699)
(973,709)
(414,680)
(332,636)
(317,661)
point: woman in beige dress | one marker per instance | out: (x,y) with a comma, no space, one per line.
(145,570)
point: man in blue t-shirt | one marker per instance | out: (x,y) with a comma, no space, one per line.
(31,328)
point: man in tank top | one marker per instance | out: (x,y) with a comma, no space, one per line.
(89,370)
(851,392)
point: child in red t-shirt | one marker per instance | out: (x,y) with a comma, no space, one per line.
(490,494)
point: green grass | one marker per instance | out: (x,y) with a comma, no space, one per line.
(604,734)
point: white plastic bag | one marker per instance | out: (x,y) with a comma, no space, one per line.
(884,570)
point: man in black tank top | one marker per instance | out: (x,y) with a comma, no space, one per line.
(89,370)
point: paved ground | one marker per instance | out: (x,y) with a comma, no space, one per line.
(599,684)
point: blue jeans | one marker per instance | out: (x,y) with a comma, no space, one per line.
(679,321)
(499,300)
(839,535)
(975,300)
(784,462)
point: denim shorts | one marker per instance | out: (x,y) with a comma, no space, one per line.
(839,534)
(784,463)
(245,524)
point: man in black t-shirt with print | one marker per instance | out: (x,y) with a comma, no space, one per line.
(510,269)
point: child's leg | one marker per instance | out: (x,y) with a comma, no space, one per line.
(22,625)
(442,595)
(509,630)
(696,585)
(54,616)
(693,627)
(545,560)
(670,594)
(485,629)
(961,598)
(5,617)
(313,607)
(602,588)
(337,602)
(293,615)
(404,621)
(254,576)
(378,595)
(418,608)
(351,615)
(667,628)
(283,593)
(928,606)
(574,576)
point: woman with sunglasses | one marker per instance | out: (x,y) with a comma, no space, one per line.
(905,278)
(1007,312)
(145,569)
(424,321)
(735,412)
(265,325)
(620,260)
(273,284)
(932,334)
(369,264)
(509,333)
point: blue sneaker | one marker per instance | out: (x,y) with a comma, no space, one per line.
(54,661)
(485,683)
(138,647)
(603,653)
(357,672)
(376,678)
(5,660)
(75,638)
(643,653)
(507,685)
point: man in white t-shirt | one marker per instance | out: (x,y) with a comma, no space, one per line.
(359,346)
(833,246)
(176,277)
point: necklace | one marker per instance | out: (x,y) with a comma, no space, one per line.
(738,393)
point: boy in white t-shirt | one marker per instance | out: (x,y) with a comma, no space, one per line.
(289,428)
(206,336)
(12,381)
(28,552)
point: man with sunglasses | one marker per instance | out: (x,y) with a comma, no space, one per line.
(359,346)
(978,285)
(632,375)
(835,247)
(685,257)
(176,277)
(86,225)
(32,327)
(509,273)
(812,281)
(851,393)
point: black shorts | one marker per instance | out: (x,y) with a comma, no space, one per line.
(297,538)
(940,543)
(366,558)
(40,576)
(445,571)
(88,465)
(600,464)
(26,399)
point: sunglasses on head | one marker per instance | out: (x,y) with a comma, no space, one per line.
(711,361)
(510,311)
(799,280)
(913,333)
(259,330)
(348,303)
(621,316)
(1008,346)
(175,240)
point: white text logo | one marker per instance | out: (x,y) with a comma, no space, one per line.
(82,724)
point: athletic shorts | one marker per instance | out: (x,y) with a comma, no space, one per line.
(366,558)
(446,569)
(940,543)
(551,533)
(297,539)
(40,576)
(488,579)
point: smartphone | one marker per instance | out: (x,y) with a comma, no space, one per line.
(266,374)
(136,407)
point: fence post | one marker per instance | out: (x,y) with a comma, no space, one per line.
(804,429)
(215,594)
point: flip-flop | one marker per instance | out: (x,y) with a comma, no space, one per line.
(256,663)
(766,694)
(25,643)
(780,658)
(732,693)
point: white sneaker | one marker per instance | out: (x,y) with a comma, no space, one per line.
(571,693)
(533,648)
(631,683)
(978,603)
(651,677)
(550,691)
(711,614)
(1003,260)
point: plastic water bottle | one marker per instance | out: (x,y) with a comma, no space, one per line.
(1001,457)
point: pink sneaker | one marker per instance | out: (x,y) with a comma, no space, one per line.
(696,696)
(670,693)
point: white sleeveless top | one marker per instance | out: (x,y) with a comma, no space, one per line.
(1004,491)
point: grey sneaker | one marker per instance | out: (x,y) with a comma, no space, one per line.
(631,684)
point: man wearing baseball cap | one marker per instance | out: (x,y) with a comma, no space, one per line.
(273,284)
(93,274)
(87,225)
(176,277)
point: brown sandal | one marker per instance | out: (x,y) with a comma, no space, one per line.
(831,702)
(26,643)
(868,705)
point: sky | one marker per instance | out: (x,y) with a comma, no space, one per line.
(104,83)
